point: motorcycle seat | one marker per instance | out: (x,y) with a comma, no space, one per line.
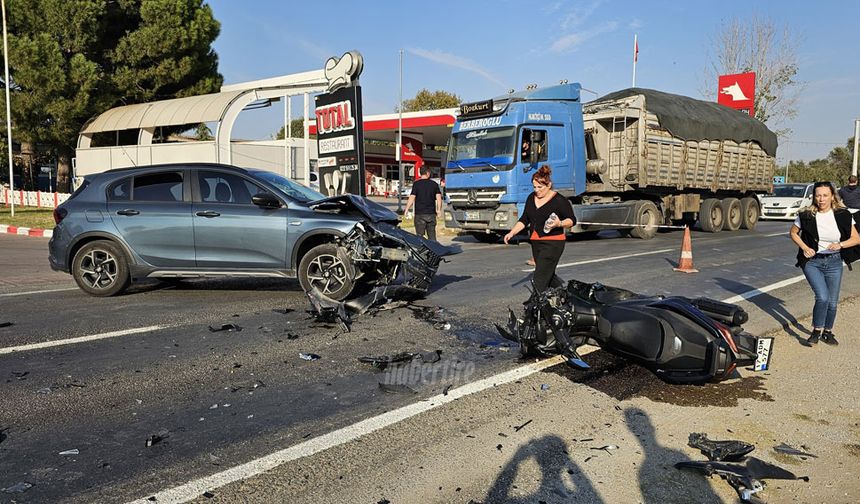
(632,330)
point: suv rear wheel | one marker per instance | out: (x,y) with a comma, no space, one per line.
(322,268)
(100,269)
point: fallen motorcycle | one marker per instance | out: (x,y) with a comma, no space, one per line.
(681,340)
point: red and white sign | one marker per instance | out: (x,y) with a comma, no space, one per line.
(335,117)
(738,92)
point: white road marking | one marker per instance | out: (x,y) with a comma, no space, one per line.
(777,234)
(603,259)
(81,339)
(193,489)
(11,294)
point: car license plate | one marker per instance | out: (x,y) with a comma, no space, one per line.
(763,348)
(473,215)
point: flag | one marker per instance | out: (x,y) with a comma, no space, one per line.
(635,49)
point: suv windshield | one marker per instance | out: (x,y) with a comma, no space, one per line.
(789,191)
(295,191)
(482,143)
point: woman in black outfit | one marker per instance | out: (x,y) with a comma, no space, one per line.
(547,214)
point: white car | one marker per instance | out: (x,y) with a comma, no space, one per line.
(786,200)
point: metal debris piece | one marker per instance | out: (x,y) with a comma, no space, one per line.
(396,388)
(719,450)
(309,356)
(790,450)
(225,327)
(746,478)
(19,487)
(74,451)
(518,427)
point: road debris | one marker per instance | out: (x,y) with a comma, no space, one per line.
(283,311)
(309,356)
(20,375)
(519,427)
(45,390)
(790,450)
(3,435)
(247,385)
(447,388)
(746,478)
(719,450)
(396,388)
(381,362)
(208,494)
(20,487)
(225,327)
(160,436)
(6,324)
(607,448)
(291,336)
(73,451)
(544,386)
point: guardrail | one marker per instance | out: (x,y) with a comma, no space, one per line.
(36,199)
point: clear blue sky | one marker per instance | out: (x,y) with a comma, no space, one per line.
(478,49)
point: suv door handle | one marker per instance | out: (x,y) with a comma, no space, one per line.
(208,213)
(128,211)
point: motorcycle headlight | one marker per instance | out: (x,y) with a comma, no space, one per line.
(500,216)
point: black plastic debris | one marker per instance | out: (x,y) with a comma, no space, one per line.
(3,435)
(447,388)
(383,501)
(719,450)
(790,450)
(225,327)
(6,324)
(154,439)
(431,357)
(396,388)
(19,487)
(20,375)
(519,427)
(746,478)
(383,361)
(292,336)
(208,494)
(499,447)
(309,356)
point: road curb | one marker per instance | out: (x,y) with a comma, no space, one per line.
(25,231)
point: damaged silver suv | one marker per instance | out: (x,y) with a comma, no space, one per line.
(211,220)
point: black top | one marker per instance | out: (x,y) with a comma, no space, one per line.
(809,235)
(535,217)
(425,191)
(850,196)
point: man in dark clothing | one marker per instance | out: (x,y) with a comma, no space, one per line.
(850,194)
(426,197)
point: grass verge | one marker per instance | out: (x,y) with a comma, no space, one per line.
(27,217)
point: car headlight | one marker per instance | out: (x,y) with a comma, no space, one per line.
(796,204)
(500,216)
(449,216)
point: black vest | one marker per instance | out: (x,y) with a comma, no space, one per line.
(809,235)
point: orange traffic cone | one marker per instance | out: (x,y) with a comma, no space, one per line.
(686,262)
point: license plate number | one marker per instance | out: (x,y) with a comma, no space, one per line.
(473,215)
(763,348)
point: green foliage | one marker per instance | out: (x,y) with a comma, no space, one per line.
(836,167)
(203,132)
(431,100)
(296,128)
(70,60)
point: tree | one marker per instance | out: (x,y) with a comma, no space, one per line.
(296,128)
(71,60)
(431,100)
(759,46)
(836,167)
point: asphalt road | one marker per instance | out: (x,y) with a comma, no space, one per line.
(215,400)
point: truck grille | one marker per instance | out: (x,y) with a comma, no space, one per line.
(477,195)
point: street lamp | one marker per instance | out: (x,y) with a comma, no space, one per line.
(400,141)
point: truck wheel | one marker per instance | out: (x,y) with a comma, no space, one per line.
(100,269)
(711,216)
(487,237)
(749,212)
(647,216)
(732,214)
(323,269)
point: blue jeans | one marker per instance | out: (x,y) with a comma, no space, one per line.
(824,274)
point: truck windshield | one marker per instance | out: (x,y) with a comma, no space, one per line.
(789,191)
(483,143)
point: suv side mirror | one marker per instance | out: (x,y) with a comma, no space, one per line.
(266,200)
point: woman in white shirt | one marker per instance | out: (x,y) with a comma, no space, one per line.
(825,235)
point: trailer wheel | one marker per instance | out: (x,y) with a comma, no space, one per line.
(647,217)
(749,212)
(711,216)
(732,214)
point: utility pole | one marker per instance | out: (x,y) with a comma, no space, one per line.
(400,141)
(9,111)
(856,150)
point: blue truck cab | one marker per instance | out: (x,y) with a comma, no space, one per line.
(497,145)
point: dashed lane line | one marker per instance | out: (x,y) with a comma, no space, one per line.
(604,259)
(11,294)
(81,339)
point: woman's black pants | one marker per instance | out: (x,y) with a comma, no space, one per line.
(546,254)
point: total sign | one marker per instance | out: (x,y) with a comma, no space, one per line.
(340,142)
(738,92)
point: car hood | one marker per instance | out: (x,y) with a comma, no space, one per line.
(350,204)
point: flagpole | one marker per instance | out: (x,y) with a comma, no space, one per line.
(8,111)
(635,56)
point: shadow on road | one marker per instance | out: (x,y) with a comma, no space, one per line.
(442,280)
(773,306)
(657,470)
(558,475)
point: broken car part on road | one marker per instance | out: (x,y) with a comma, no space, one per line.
(679,339)
(719,450)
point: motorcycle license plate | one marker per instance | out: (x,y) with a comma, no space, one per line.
(473,215)
(763,350)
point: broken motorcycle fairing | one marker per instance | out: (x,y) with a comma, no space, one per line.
(681,340)
(396,264)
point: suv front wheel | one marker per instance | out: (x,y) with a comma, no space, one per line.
(322,268)
(100,269)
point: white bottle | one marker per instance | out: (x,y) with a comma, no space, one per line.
(547,226)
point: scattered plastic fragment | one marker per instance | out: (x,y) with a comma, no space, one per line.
(790,450)
(20,375)
(225,327)
(383,361)
(74,451)
(208,494)
(719,450)
(3,435)
(607,448)
(544,386)
(291,336)
(157,438)
(214,406)
(519,427)
(20,487)
(383,501)
(744,477)
(396,388)
(447,388)
(309,356)
(499,447)
(46,390)
(6,324)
